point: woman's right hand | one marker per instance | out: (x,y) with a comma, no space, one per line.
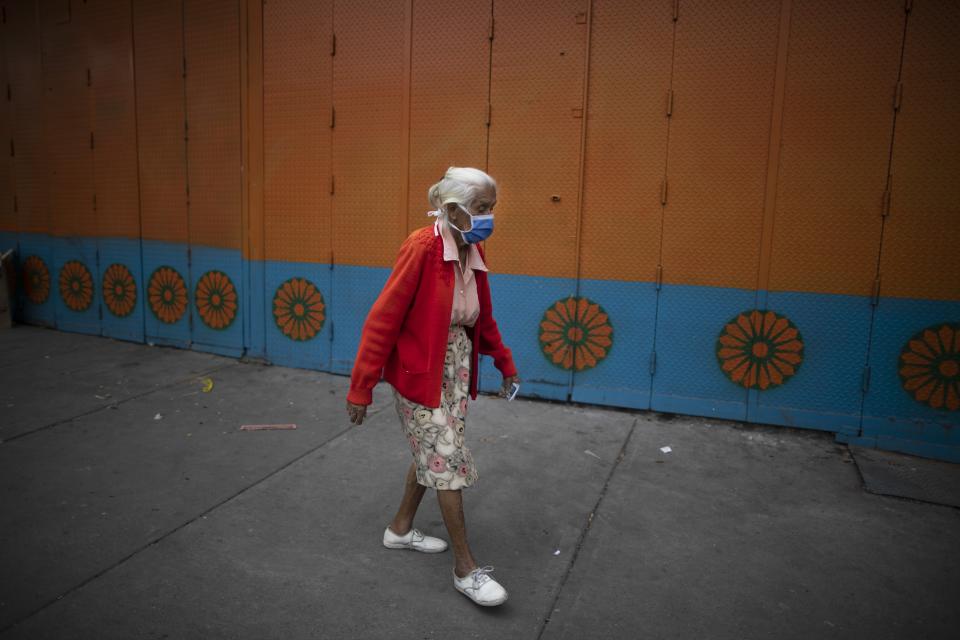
(356,412)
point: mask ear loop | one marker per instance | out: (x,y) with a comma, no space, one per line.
(438,213)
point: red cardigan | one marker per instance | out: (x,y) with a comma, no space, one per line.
(405,334)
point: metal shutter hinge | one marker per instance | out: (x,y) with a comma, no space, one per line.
(94,202)
(907,6)
(653,362)
(333,117)
(875,294)
(91,140)
(865,379)
(663,190)
(333,45)
(89,78)
(676,10)
(9,93)
(13,150)
(489,113)
(184,66)
(581,17)
(332,187)
(669,103)
(898,96)
(490,31)
(659,277)
(15,208)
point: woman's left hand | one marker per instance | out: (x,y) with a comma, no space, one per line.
(507,383)
(356,412)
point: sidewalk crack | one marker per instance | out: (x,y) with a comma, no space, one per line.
(586,529)
(205,372)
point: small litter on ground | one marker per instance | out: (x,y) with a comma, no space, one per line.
(266,427)
(157,417)
(207,384)
(666,449)
(591,453)
(557,552)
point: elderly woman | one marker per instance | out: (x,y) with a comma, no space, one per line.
(424,333)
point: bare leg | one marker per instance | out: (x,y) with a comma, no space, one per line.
(412,495)
(451,506)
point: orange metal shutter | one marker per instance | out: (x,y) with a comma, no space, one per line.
(723,80)
(631,50)
(297,218)
(535,142)
(159,69)
(369,178)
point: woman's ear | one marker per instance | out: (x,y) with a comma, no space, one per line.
(453,213)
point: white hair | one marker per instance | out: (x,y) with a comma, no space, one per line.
(461,185)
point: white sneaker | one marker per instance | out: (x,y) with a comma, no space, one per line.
(480,587)
(413,540)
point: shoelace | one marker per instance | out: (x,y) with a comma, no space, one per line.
(481,576)
(417,536)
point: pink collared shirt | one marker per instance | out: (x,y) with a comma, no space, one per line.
(466,304)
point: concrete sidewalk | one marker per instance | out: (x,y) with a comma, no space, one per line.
(118,523)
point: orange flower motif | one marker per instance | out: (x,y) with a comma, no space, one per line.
(575,333)
(759,349)
(298,309)
(930,366)
(36,279)
(76,285)
(167,294)
(216,299)
(119,290)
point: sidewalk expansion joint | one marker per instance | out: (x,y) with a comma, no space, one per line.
(198,374)
(177,528)
(586,529)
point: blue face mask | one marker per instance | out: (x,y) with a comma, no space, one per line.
(480,227)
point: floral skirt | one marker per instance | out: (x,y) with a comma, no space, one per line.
(436,435)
